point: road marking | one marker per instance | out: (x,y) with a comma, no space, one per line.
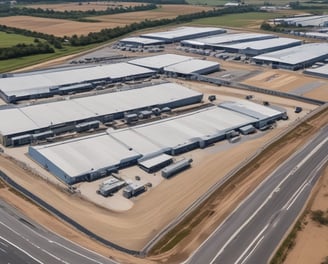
(67,248)
(4,251)
(255,240)
(26,253)
(33,244)
(302,162)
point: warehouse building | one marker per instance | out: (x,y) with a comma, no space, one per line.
(49,83)
(254,48)
(304,21)
(177,64)
(67,115)
(159,62)
(214,42)
(319,72)
(191,67)
(92,157)
(182,33)
(264,114)
(139,42)
(295,58)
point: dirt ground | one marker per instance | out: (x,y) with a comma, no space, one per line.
(289,81)
(311,245)
(83,6)
(62,27)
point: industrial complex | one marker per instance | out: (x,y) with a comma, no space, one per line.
(295,58)
(92,157)
(64,115)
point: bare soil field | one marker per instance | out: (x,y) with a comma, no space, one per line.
(62,27)
(311,244)
(292,82)
(84,6)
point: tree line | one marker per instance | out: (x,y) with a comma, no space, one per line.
(21,50)
(87,1)
(6,10)
(103,35)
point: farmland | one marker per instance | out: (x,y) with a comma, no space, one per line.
(248,20)
(61,27)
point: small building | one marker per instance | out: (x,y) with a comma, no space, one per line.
(175,168)
(110,186)
(245,130)
(129,118)
(133,189)
(155,163)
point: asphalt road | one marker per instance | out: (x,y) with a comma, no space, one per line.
(23,241)
(254,230)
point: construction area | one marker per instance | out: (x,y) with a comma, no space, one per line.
(159,130)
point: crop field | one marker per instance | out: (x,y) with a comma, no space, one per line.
(246,20)
(61,27)
(253,2)
(84,6)
(8,40)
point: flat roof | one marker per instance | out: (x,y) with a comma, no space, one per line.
(148,163)
(142,41)
(76,157)
(191,66)
(32,117)
(23,85)
(296,55)
(183,32)
(319,71)
(228,38)
(262,44)
(160,61)
(251,109)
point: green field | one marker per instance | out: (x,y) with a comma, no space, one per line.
(13,64)
(9,40)
(245,20)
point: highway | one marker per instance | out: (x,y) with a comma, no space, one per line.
(23,241)
(254,230)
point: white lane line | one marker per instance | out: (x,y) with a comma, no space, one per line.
(307,157)
(26,253)
(5,245)
(297,194)
(4,251)
(255,241)
(255,247)
(33,244)
(69,249)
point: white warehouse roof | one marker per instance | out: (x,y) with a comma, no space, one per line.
(263,44)
(227,38)
(141,41)
(42,82)
(160,61)
(82,155)
(320,71)
(251,109)
(183,33)
(32,117)
(193,66)
(296,55)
